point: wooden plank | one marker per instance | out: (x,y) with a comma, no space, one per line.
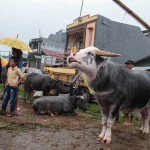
(61,70)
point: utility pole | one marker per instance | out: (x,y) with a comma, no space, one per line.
(134,15)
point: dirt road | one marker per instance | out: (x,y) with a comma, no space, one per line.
(29,132)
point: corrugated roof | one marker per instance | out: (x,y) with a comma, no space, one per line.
(52,53)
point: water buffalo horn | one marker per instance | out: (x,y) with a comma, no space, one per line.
(104,53)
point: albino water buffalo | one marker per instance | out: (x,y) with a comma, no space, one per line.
(116,87)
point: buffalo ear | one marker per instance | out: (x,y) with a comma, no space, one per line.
(99,59)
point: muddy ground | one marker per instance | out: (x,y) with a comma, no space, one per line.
(33,132)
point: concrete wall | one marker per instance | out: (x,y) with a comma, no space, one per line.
(56,42)
(121,38)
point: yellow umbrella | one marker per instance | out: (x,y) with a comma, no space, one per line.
(16,43)
(4,62)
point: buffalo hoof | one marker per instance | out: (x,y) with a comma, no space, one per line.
(141,129)
(100,137)
(106,140)
(145,132)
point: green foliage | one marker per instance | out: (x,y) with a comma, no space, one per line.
(1,87)
(137,121)
(93,113)
(20,126)
(93,108)
(20,92)
(10,126)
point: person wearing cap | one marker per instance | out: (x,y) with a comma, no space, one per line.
(129,116)
(129,64)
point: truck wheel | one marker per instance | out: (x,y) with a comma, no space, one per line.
(85,92)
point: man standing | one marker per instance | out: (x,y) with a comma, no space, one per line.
(129,116)
(14,78)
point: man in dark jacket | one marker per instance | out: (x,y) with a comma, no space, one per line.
(129,117)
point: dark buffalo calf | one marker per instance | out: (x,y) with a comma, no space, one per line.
(63,104)
(40,82)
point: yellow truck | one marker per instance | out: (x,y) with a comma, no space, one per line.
(73,81)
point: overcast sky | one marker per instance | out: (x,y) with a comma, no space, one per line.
(27,17)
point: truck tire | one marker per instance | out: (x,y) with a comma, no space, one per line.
(85,92)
